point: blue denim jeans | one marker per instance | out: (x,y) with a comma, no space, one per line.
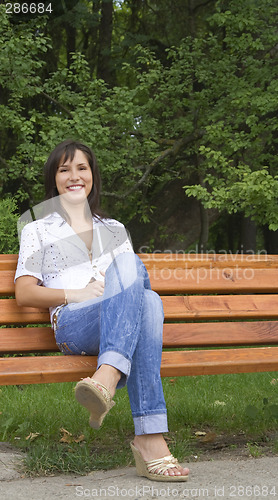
(124,328)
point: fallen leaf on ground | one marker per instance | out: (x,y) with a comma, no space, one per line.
(79,439)
(32,436)
(69,438)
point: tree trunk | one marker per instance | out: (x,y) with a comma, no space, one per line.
(93,36)
(271,241)
(248,235)
(71,42)
(104,69)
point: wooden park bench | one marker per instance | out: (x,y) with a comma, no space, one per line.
(221,316)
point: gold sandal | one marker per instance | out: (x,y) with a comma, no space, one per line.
(155,469)
(96,398)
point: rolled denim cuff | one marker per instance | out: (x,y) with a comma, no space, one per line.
(150,424)
(118,361)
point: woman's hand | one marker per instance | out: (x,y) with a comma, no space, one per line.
(95,288)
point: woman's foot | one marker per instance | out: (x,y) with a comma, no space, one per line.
(153,446)
(108,376)
(96,393)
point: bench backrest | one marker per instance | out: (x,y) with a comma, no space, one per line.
(207,301)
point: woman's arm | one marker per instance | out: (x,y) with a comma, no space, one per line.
(29,293)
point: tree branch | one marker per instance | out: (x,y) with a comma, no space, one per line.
(173,151)
(58,103)
(200,5)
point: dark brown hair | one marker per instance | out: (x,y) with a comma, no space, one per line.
(64,151)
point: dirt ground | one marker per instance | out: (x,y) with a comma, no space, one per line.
(213,446)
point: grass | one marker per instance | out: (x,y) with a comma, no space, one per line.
(48,424)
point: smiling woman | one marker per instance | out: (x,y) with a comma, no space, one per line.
(82,267)
(75,176)
(74,183)
(66,156)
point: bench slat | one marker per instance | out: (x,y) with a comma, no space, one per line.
(191,307)
(220,334)
(6,283)
(60,368)
(214,307)
(12,314)
(42,369)
(41,339)
(32,339)
(8,262)
(222,361)
(201,280)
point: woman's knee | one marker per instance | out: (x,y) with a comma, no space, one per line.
(128,260)
(127,268)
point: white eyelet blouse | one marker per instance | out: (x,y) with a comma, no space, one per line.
(52,252)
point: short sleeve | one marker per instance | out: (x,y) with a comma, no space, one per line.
(111,237)
(31,252)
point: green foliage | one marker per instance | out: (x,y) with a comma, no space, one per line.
(241,189)
(8,227)
(20,58)
(237,156)
(204,107)
(116,122)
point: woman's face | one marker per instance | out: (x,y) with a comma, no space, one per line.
(74,179)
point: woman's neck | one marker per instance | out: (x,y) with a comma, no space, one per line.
(82,224)
(78,214)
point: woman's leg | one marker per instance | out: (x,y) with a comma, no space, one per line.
(130,319)
(144,350)
(126,327)
(144,383)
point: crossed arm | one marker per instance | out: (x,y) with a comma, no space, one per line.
(29,293)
